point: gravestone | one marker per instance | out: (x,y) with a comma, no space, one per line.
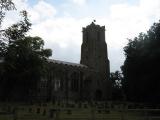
(79,105)
(30,110)
(106,105)
(58,104)
(85,106)
(44,112)
(52,113)
(107,111)
(99,111)
(62,105)
(38,110)
(14,113)
(93,114)
(69,112)
(9,109)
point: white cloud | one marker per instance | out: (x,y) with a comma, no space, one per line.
(13,16)
(128,21)
(79,2)
(21,4)
(63,33)
(150,8)
(42,11)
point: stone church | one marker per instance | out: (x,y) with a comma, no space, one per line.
(86,81)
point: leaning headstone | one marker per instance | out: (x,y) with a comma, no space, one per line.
(112,106)
(96,103)
(90,104)
(9,109)
(106,105)
(3,108)
(52,113)
(38,110)
(14,113)
(30,110)
(73,105)
(107,111)
(69,112)
(58,104)
(14,110)
(93,114)
(22,108)
(85,106)
(99,111)
(79,105)
(62,105)
(53,102)
(39,104)
(44,112)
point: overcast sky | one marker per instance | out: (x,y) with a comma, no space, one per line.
(60,22)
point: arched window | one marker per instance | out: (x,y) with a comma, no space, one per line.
(57,84)
(74,82)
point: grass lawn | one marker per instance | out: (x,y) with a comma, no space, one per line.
(73,111)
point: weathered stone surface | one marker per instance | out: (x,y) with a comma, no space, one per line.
(86,81)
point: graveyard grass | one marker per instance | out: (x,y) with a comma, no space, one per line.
(74,111)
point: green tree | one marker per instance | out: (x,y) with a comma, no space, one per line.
(5,5)
(141,67)
(25,61)
(116,79)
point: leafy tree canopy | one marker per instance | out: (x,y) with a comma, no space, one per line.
(24,60)
(5,5)
(141,67)
(116,79)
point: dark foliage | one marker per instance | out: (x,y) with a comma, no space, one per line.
(116,79)
(141,67)
(5,5)
(24,61)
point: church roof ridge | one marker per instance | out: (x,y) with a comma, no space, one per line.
(66,63)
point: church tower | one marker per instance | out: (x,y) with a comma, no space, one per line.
(94,50)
